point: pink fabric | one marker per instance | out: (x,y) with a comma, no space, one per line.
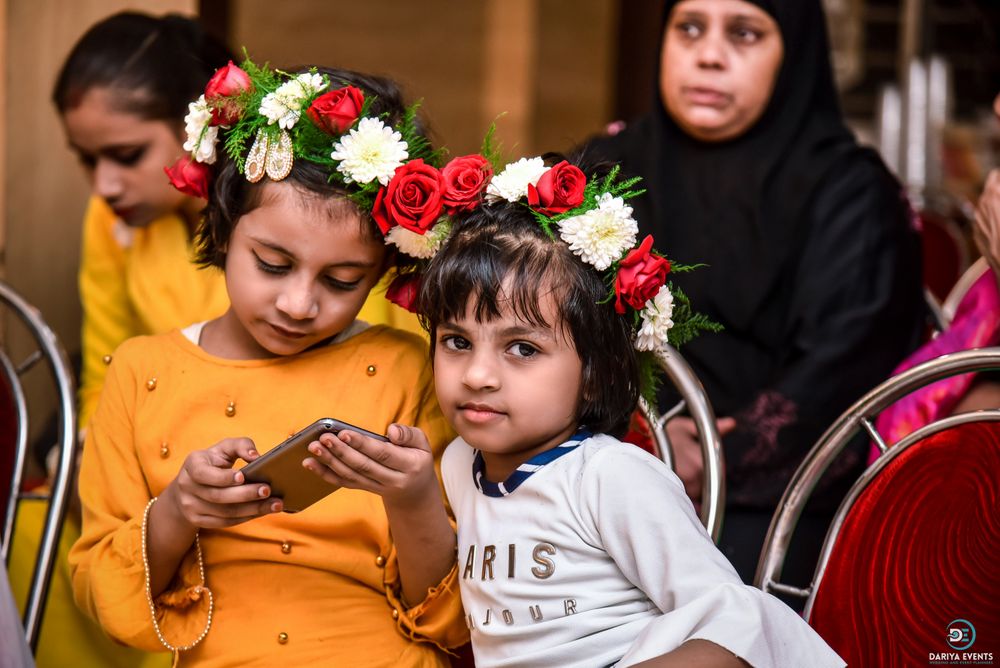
(976,325)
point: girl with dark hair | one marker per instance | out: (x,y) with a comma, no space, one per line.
(309,177)
(814,264)
(575,549)
(121,95)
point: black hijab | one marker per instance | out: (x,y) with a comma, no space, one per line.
(740,205)
(813,269)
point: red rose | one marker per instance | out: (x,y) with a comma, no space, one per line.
(411,200)
(223,89)
(190,177)
(465,179)
(640,276)
(334,112)
(559,190)
(404,290)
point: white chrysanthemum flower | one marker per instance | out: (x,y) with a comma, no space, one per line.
(600,236)
(656,321)
(284,105)
(512,183)
(422,246)
(370,151)
(201,137)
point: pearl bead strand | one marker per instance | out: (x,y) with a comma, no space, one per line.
(149,592)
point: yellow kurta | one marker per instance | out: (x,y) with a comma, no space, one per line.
(332,589)
(137,281)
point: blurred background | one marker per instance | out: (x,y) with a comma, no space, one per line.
(917,79)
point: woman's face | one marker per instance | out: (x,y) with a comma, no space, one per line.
(124,156)
(718,64)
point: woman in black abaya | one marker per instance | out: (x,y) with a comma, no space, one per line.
(814,268)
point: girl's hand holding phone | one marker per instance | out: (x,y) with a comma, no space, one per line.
(209,494)
(400,471)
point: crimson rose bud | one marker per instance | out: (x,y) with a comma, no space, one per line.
(412,199)
(403,291)
(227,82)
(640,276)
(558,190)
(335,111)
(465,179)
(190,177)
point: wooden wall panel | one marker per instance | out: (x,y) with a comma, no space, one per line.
(432,48)
(547,63)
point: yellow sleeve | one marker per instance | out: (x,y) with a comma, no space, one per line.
(439,617)
(108,317)
(108,572)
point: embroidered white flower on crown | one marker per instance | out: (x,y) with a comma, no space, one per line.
(201,137)
(656,321)
(284,105)
(422,246)
(370,151)
(512,183)
(602,235)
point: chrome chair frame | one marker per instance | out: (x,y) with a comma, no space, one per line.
(961,288)
(859,417)
(938,319)
(695,400)
(50,350)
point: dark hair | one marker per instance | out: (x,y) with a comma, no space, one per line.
(232,196)
(157,64)
(503,242)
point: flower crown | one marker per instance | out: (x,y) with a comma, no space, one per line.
(267,119)
(392,173)
(592,218)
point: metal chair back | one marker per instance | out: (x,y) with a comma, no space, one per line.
(950,304)
(859,417)
(695,400)
(48,349)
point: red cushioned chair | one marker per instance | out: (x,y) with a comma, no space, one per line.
(24,327)
(911,554)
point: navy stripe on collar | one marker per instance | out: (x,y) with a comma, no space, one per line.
(525,470)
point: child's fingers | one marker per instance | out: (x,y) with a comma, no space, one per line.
(226,452)
(325,470)
(218,516)
(208,506)
(355,459)
(203,469)
(232,495)
(408,437)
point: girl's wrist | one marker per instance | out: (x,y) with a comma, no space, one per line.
(417,502)
(168,518)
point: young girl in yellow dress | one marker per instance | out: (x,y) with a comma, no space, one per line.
(303,172)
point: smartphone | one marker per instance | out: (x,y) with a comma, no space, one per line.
(281,466)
